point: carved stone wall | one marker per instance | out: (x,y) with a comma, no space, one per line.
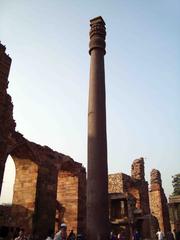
(119,182)
(115,183)
(158,202)
(174,212)
(137,187)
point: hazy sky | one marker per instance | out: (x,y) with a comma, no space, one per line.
(48,43)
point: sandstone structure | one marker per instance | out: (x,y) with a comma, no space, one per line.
(133,206)
(158,202)
(174,212)
(44,178)
(97,179)
(129,201)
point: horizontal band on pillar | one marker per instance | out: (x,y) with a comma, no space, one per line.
(97,42)
(97,48)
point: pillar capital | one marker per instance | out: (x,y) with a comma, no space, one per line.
(97,34)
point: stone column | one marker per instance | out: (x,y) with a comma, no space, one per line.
(158,202)
(97,181)
(45,205)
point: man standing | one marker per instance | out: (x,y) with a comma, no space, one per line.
(160,235)
(21,235)
(62,234)
(71,236)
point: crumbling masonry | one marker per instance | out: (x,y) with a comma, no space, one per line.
(133,206)
(129,194)
(158,202)
(48,185)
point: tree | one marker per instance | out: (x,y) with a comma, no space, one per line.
(176,184)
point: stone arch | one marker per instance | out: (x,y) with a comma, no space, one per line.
(8,182)
(37,167)
(37,184)
(24,195)
(20,213)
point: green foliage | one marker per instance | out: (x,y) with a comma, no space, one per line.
(176,184)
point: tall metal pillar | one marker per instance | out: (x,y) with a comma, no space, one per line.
(97,181)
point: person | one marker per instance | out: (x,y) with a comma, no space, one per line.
(136,235)
(71,236)
(121,236)
(112,236)
(174,233)
(50,235)
(62,233)
(160,235)
(80,236)
(170,235)
(21,235)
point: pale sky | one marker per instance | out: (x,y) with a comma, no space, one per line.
(49,77)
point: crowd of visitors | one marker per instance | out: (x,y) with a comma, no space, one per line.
(59,235)
(121,236)
(62,234)
(175,235)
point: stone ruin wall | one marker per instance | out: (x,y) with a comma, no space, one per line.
(37,171)
(174,212)
(24,192)
(158,202)
(41,174)
(140,184)
(7,123)
(137,169)
(151,201)
(115,183)
(67,195)
(71,195)
(134,185)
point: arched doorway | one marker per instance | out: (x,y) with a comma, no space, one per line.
(8,182)
(6,198)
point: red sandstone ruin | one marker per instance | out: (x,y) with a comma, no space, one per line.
(48,185)
(133,206)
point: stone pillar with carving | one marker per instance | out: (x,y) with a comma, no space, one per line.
(97,181)
(45,205)
(158,201)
